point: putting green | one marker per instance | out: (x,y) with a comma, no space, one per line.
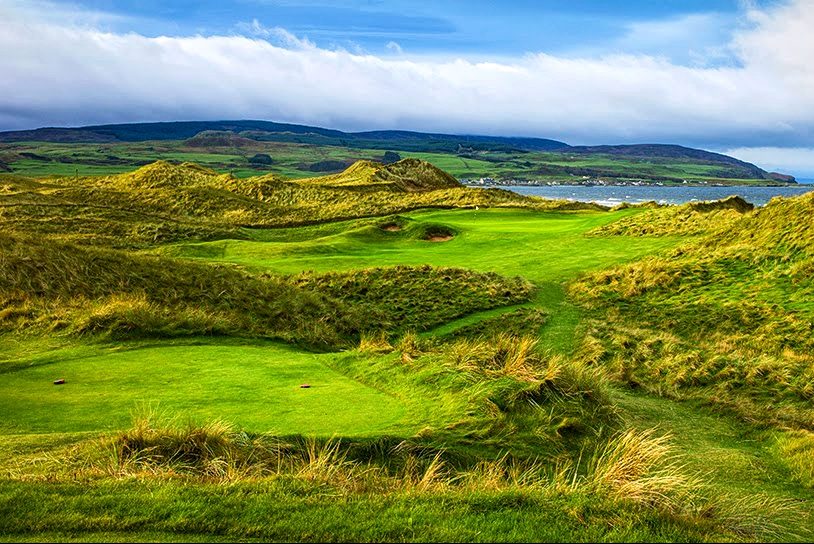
(540,246)
(256,387)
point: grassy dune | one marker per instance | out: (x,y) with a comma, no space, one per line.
(726,318)
(162,202)
(512,370)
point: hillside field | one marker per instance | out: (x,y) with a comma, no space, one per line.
(300,160)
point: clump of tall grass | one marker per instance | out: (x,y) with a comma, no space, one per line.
(796,449)
(410,346)
(521,358)
(213,450)
(375,343)
(503,355)
(134,315)
(639,467)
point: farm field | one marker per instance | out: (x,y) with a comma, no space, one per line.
(470,369)
(300,160)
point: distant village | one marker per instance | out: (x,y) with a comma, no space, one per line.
(583,181)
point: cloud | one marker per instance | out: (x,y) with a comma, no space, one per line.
(394,47)
(56,74)
(276,35)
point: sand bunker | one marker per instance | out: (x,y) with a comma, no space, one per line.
(437,233)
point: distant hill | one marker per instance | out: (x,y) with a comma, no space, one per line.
(282,132)
(676,152)
(495,149)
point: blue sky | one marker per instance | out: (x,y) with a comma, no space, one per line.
(473,27)
(726,75)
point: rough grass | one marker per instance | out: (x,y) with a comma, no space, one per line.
(687,219)
(520,322)
(162,202)
(797,451)
(58,286)
(418,298)
(727,318)
(635,475)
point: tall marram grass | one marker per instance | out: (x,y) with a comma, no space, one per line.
(163,202)
(50,285)
(634,469)
(633,466)
(727,317)
(796,449)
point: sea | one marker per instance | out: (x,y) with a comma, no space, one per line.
(613,194)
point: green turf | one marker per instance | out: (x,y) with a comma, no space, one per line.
(255,386)
(545,248)
(539,246)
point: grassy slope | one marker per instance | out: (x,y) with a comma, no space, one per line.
(548,249)
(292,160)
(726,318)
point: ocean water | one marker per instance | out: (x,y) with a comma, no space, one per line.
(613,195)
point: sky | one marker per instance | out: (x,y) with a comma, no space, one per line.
(728,75)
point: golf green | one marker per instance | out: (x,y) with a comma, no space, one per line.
(257,387)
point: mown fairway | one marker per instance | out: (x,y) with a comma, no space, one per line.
(256,386)
(542,247)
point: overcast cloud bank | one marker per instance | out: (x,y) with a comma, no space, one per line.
(72,73)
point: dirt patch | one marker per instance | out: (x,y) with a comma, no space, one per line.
(390,227)
(439,238)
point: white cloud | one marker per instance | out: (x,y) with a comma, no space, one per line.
(796,160)
(56,74)
(394,47)
(277,35)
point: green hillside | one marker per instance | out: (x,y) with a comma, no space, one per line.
(384,354)
(297,151)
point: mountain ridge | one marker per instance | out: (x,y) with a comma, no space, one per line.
(402,140)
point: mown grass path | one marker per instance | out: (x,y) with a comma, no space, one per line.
(730,457)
